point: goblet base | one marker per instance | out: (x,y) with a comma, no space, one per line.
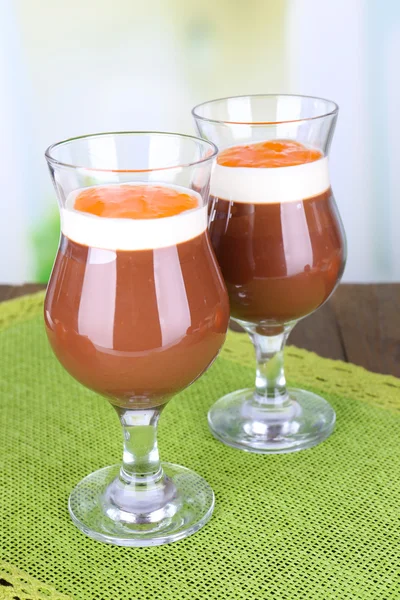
(240,420)
(189,508)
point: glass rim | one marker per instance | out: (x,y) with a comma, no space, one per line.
(55,162)
(334,111)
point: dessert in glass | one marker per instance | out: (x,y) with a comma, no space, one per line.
(280,243)
(136,309)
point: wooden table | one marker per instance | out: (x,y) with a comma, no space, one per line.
(359,324)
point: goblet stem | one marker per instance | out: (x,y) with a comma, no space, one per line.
(271,391)
(140,461)
(142,493)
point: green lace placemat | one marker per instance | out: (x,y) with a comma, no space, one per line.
(315,525)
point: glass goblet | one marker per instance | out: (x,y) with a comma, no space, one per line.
(280,243)
(136,310)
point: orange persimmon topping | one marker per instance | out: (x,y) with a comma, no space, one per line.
(126,201)
(272,153)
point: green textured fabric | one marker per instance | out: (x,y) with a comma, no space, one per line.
(314,525)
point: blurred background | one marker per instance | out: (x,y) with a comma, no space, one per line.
(84,66)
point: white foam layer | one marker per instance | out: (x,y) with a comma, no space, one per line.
(133,234)
(270,185)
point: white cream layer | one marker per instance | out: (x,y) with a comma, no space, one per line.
(270,185)
(133,234)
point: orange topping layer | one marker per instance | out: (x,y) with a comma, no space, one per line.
(272,153)
(134,201)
